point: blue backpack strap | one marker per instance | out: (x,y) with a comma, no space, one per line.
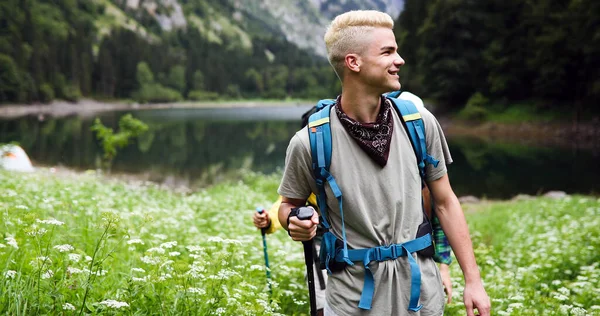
(319,133)
(416,132)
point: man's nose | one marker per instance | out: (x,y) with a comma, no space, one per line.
(399,60)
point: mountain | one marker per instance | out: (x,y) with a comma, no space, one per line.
(236,22)
(169,50)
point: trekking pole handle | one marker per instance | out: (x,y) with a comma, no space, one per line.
(261,210)
(304,213)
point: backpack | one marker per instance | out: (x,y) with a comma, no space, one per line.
(335,255)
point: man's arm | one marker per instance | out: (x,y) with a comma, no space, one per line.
(298,230)
(453,222)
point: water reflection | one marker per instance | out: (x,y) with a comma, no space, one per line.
(200,147)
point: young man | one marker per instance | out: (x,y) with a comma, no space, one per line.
(374,166)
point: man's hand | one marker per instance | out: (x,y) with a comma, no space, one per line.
(446,281)
(303,230)
(475,297)
(261,220)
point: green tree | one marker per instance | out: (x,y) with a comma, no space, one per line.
(176,78)
(144,75)
(129,129)
(10,81)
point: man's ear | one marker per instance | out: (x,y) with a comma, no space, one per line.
(353,62)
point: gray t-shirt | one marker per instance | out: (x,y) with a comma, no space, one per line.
(382,206)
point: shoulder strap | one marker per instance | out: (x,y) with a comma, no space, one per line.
(319,133)
(416,131)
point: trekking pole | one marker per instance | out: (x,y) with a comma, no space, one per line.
(305,213)
(264,238)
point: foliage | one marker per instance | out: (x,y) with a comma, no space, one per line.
(475,108)
(137,249)
(200,95)
(129,129)
(46,93)
(150,91)
(154,92)
(95,49)
(507,51)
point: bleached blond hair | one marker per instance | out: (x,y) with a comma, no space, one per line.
(348,33)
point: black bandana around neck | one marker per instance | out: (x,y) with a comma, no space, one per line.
(373,138)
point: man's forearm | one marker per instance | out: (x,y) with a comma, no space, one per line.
(455,227)
(285,208)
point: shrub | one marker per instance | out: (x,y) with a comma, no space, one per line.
(475,110)
(46,93)
(154,93)
(201,95)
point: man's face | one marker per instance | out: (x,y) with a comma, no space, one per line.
(380,61)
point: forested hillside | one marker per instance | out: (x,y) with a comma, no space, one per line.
(530,52)
(543,51)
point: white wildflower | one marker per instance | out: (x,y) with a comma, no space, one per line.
(138,270)
(174,253)
(11,241)
(515,305)
(48,274)
(220,311)
(560,297)
(113,304)
(564,291)
(2,245)
(159,236)
(51,221)
(157,250)
(168,245)
(144,279)
(517,298)
(135,241)
(564,309)
(64,248)
(37,232)
(68,307)
(578,311)
(256,267)
(196,290)
(150,260)
(195,248)
(22,207)
(71,270)
(165,277)
(74,257)
(88,258)
(10,274)
(225,241)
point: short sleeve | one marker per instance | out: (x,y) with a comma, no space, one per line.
(437,146)
(297,174)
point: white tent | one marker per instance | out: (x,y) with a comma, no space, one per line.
(14,158)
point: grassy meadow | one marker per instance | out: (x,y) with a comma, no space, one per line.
(81,244)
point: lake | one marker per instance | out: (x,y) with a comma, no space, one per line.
(199,147)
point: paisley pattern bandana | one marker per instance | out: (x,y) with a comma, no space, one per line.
(373,138)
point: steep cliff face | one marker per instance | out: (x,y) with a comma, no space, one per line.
(236,22)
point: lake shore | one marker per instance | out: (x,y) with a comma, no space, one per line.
(90,107)
(585,135)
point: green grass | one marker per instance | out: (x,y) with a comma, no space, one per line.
(70,239)
(512,114)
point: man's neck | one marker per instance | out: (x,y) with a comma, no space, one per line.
(360,105)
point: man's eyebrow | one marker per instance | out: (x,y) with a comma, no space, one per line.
(385,48)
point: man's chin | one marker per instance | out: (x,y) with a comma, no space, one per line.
(395,86)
